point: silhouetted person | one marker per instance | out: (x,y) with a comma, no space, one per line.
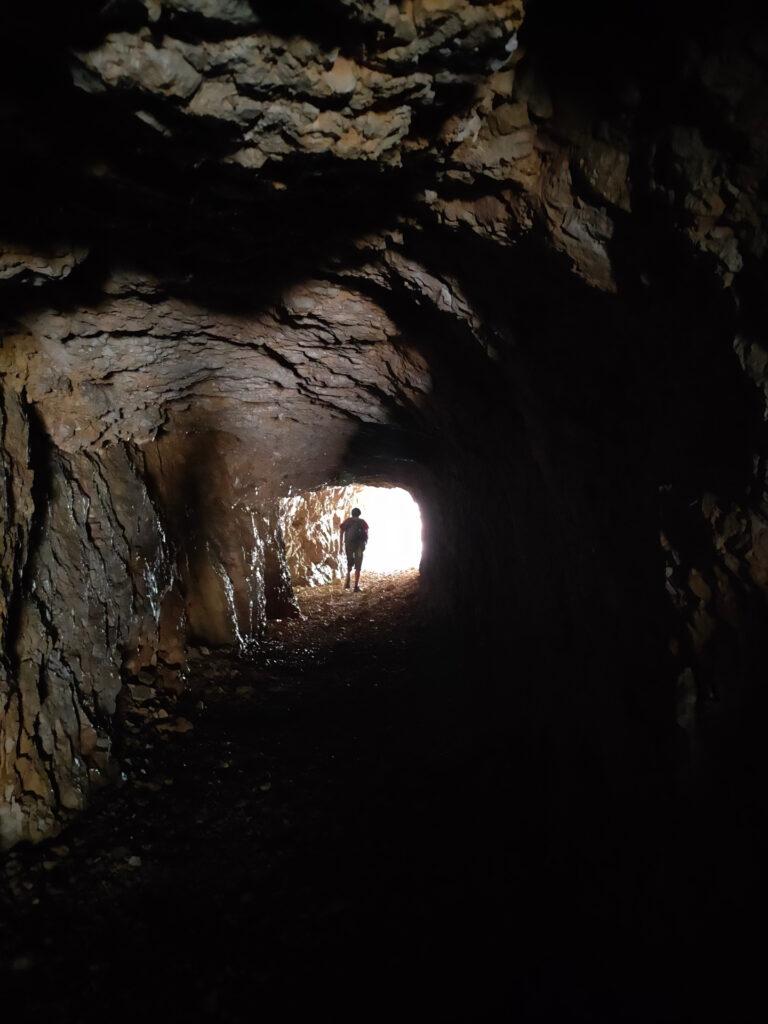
(353,534)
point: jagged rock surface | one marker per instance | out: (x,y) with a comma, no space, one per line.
(91,570)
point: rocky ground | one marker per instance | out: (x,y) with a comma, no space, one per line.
(319,829)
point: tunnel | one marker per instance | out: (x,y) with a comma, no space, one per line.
(491,271)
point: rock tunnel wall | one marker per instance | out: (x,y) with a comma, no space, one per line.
(510,261)
(156,500)
(86,570)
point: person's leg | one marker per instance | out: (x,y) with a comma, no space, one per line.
(358,567)
(349,568)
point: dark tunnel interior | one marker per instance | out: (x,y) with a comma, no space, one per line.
(256,258)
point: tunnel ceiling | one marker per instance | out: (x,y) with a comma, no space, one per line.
(208,199)
(225,212)
(506,255)
(141,363)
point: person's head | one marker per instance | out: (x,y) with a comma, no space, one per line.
(355,512)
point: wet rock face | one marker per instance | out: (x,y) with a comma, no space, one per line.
(85,575)
(494,258)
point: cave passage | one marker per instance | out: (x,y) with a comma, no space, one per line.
(493,272)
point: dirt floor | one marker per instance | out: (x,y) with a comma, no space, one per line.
(264,852)
(326,829)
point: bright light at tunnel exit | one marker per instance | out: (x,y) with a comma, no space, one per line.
(394,521)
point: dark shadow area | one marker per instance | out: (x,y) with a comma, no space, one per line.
(41,455)
(341,832)
(337,861)
(599,49)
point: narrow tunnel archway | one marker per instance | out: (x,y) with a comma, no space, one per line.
(311,522)
(468,252)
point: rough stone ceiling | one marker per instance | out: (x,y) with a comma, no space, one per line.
(257,145)
(119,370)
(253,155)
(223,202)
(212,127)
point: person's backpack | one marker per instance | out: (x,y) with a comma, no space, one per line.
(354,534)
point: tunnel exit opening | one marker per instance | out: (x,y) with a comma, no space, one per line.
(394,521)
(311,522)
